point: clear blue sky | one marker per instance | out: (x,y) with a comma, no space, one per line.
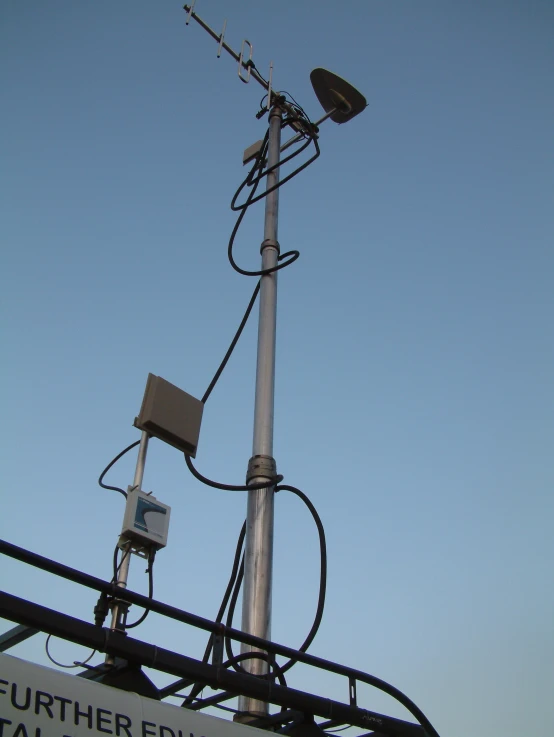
(415,351)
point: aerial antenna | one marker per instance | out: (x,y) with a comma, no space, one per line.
(341,103)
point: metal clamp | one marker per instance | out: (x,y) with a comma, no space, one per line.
(218,641)
(261,466)
(270,243)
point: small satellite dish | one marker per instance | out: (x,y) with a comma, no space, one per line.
(335,93)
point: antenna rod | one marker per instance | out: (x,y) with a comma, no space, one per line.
(258,560)
(222,45)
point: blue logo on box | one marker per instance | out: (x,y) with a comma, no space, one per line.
(150,518)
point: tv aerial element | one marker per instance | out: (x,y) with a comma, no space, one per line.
(246,65)
(341,103)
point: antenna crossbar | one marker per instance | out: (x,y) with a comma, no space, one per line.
(248,65)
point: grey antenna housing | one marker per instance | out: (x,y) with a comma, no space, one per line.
(170,414)
(336,94)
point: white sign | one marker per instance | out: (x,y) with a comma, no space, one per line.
(41,702)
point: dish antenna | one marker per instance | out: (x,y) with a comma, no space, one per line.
(337,96)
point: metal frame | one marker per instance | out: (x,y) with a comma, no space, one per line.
(119,645)
(13,637)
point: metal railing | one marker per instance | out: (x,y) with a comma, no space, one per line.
(218,675)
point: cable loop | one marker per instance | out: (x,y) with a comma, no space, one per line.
(76,663)
(231,487)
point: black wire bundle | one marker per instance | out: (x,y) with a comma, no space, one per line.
(322,586)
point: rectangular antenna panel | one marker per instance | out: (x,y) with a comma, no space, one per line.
(170,414)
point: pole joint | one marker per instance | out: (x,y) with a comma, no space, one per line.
(270,243)
(261,466)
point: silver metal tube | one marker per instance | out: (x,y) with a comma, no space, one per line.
(141,461)
(258,560)
(119,610)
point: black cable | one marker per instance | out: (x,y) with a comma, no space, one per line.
(195,690)
(104,601)
(150,571)
(322,575)
(251,182)
(231,611)
(103,604)
(258,73)
(116,566)
(230,487)
(75,664)
(284,92)
(231,348)
(259,163)
(110,464)
(261,272)
(322,585)
(232,579)
(234,585)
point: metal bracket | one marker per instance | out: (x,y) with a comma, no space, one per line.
(217,653)
(352,691)
(15,636)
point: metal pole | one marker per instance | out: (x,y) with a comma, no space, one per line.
(258,560)
(120,608)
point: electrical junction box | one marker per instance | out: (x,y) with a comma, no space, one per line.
(170,414)
(146,521)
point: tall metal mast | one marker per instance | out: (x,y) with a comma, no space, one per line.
(340,102)
(258,559)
